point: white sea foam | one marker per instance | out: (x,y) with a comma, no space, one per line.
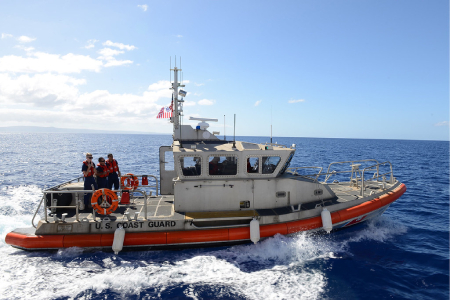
(276,268)
(19,200)
(380,229)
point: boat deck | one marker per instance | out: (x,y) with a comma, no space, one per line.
(162,207)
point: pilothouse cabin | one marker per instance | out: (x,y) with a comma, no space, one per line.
(231,175)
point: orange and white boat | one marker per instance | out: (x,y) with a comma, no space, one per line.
(212,192)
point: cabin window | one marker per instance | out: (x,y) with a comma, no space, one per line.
(222,165)
(270,163)
(253,165)
(191,165)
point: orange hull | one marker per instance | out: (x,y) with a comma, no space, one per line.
(207,236)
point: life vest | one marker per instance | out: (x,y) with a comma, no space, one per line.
(112,165)
(105,170)
(90,170)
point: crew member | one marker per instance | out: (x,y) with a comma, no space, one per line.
(113,168)
(102,174)
(89,171)
(214,166)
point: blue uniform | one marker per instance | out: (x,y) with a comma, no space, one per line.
(102,182)
(113,178)
(88,181)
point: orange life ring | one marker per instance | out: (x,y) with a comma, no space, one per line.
(108,201)
(132,182)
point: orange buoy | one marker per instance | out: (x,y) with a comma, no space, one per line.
(129,182)
(108,201)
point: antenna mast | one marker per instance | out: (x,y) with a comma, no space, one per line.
(234,139)
(224,135)
(271,124)
(175,84)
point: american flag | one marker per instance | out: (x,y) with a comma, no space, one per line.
(165,112)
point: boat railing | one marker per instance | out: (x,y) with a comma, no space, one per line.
(377,175)
(56,190)
(76,206)
(357,175)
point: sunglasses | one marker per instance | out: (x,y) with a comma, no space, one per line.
(102,161)
(90,157)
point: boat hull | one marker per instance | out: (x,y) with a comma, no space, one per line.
(27,240)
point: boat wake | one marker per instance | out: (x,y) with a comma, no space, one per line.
(281,267)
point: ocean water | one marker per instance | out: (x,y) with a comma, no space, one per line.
(403,254)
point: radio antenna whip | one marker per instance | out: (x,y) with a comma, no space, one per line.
(234,138)
(271,124)
(224,135)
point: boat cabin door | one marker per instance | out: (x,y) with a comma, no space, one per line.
(166,170)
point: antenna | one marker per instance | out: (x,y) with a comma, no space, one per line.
(181,125)
(271,124)
(234,139)
(170,70)
(224,135)
(175,61)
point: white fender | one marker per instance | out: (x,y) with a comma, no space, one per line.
(119,236)
(326,220)
(254,231)
(80,205)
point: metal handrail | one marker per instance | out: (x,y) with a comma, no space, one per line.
(35,213)
(64,183)
(76,206)
(391,179)
(346,162)
(328,174)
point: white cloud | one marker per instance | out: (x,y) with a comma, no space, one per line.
(40,90)
(119,45)
(258,102)
(296,101)
(108,54)
(444,123)
(40,62)
(206,102)
(198,84)
(90,44)
(25,39)
(6,35)
(55,99)
(179,36)
(27,49)
(115,63)
(143,7)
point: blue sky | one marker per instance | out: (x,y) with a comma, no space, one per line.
(339,69)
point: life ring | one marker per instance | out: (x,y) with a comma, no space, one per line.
(108,201)
(132,182)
